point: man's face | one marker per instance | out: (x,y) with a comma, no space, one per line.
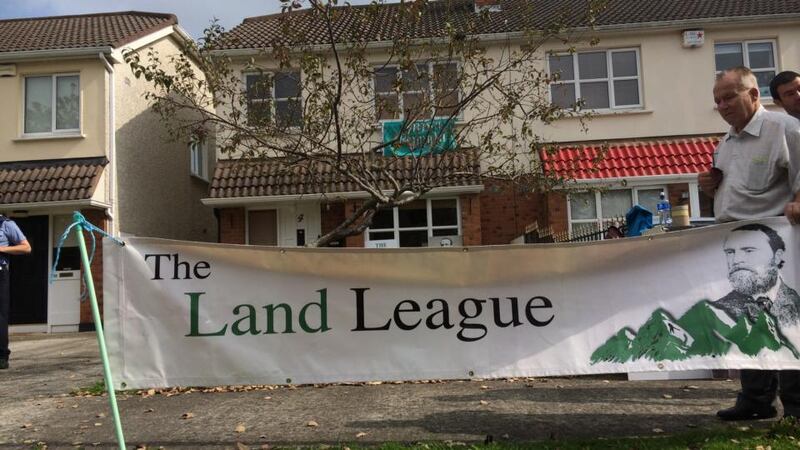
(752,265)
(735,104)
(789,96)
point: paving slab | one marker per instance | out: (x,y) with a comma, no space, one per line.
(38,405)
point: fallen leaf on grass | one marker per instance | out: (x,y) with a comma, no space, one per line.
(311,423)
(187,415)
(27,425)
(484,402)
(240,428)
(149,410)
(667,396)
(151,392)
(240,446)
(101,415)
(141,447)
(484,387)
(98,424)
(743,428)
(268,398)
(360,434)
(657,430)
(735,441)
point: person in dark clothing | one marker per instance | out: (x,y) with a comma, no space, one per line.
(12,242)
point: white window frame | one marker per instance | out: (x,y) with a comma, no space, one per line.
(431,89)
(746,58)
(54,99)
(273,110)
(610,79)
(429,219)
(599,220)
(198,159)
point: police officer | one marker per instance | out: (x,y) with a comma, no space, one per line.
(12,242)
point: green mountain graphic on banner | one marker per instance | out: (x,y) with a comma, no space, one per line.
(702,331)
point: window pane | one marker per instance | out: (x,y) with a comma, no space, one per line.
(289,113)
(381,235)
(583,206)
(592,65)
(444,212)
(760,55)
(287,84)
(414,214)
(626,92)
(615,203)
(561,66)
(446,232)
(727,56)
(387,107)
(623,64)
(763,79)
(563,95)
(648,198)
(38,104)
(417,238)
(385,79)
(416,79)
(414,105)
(384,218)
(258,87)
(445,82)
(259,112)
(595,95)
(67,103)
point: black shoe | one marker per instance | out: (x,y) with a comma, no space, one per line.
(742,411)
(3,364)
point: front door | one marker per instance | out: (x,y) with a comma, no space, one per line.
(29,274)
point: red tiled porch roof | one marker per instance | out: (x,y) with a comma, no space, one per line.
(639,158)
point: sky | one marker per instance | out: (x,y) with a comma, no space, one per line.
(193,15)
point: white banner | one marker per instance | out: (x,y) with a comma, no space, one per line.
(195,314)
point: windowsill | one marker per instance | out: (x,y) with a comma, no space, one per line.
(43,137)
(198,177)
(611,113)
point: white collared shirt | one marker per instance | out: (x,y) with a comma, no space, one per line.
(760,167)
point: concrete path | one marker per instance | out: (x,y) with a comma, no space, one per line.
(37,406)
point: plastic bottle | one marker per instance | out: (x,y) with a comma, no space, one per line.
(664,211)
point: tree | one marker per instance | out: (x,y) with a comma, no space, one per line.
(452,83)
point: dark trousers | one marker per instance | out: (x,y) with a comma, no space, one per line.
(5,304)
(761,387)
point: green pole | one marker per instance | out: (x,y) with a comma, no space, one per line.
(101,340)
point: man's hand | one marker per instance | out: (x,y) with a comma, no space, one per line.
(792,212)
(708,181)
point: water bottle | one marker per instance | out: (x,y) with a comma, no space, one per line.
(664,211)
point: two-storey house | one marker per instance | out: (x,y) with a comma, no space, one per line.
(647,81)
(78,134)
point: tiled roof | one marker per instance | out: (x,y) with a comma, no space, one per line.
(385,22)
(248,178)
(632,158)
(83,31)
(49,181)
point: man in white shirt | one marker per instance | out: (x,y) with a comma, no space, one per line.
(756,174)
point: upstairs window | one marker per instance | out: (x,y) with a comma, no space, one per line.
(274,95)
(52,104)
(198,159)
(759,56)
(601,79)
(402,93)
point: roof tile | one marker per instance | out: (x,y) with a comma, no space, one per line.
(80,31)
(632,158)
(244,178)
(58,179)
(366,22)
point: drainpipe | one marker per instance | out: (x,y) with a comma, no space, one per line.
(112,149)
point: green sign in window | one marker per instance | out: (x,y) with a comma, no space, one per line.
(421,137)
